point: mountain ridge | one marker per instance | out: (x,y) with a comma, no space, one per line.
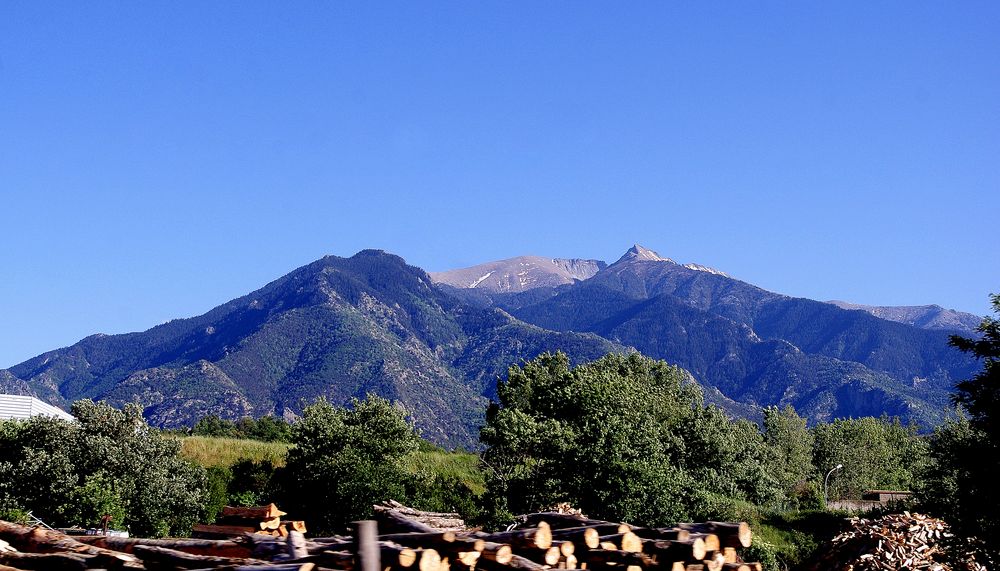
(341,327)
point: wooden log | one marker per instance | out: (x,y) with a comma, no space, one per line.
(711,540)
(687,550)
(395,522)
(568,562)
(428,560)
(540,537)
(500,553)
(566,548)
(731,534)
(265,567)
(212,531)
(667,533)
(45,561)
(221,548)
(618,557)
(435,539)
(582,537)
(170,559)
(254,513)
(548,556)
(296,543)
(729,553)
(627,541)
(516,562)
(557,520)
(39,540)
(294,524)
(468,558)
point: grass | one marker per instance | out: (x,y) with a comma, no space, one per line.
(792,537)
(431,461)
(428,461)
(211,451)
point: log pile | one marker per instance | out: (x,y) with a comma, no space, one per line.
(543,541)
(897,541)
(237,521)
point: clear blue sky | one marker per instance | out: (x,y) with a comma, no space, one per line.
(160,158)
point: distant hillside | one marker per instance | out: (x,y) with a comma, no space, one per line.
(922,316)
(755,346)
(342,327)
(338,328)
(520,274)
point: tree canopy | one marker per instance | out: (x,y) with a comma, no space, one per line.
(108,461)
(624,438)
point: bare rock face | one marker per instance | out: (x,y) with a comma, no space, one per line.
(520,274)
(922,316)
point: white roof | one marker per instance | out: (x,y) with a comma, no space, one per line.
(20,407)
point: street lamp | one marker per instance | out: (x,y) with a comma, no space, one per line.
(826,483)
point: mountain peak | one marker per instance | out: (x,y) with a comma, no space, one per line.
(637,252)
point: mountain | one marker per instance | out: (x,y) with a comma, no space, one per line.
(342,327)
(922,316)
(337,328)
(520,274)
(757,347)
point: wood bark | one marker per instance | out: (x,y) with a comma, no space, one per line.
(582,537)
(39,540)
(516,562)
(45,561)
(497,552)
(668,533)
(221,548)
(549,556)
(627,541)
(540,536)
(170,559)
(730,534)
(253,513)
(688,550)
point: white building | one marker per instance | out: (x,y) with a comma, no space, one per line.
(20,407)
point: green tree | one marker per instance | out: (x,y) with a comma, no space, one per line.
(345,460)
(106,461)
(876,453)
(791,448)
(961,481)
(624,438)
(213,425)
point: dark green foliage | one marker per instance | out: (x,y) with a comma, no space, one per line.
(876,453)
(624,438)
(217,482)
(212,425)
(106,462)
(253,482)
(345,460)
(791,447)
(266,428)
(961,482)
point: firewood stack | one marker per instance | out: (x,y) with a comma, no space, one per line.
(542,541)
(261,520)
(898,541)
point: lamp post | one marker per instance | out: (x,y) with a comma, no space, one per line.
(826,483)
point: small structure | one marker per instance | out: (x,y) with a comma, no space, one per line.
(884,496)
(19,407)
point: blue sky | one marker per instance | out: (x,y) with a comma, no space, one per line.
(160,158)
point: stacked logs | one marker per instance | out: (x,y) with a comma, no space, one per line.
(542,541)
(237,521)
(898,541)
